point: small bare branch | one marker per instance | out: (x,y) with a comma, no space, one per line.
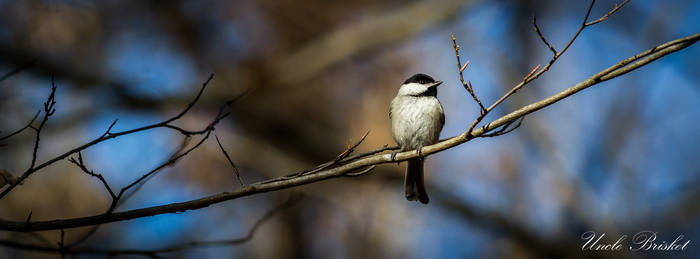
(350,148)
(173,154)
(341,156)
(48,111)
(79,162)
(369,153)
(109,129)
(537,29)
(531,73)
(605,17)
(235,169)
(23,128)
(170,162)
(361,172)
(460,69)
(580,29)
(464,66)
(504,129)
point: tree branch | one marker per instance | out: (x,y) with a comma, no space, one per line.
(109,135)
(64,249)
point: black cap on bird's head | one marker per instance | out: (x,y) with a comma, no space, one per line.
(422,79)
(419,78)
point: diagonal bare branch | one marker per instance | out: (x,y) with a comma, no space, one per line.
(539,32)
(233,165)
(23,128)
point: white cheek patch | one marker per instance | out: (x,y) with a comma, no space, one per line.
(412,89)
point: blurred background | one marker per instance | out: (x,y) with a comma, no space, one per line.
(619,158)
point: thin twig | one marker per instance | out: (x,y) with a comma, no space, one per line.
(532,72)
(173,154)
(233,165)
(336,160)
(351,148)
(361,172)
(537,29)
(163,165)
(23,128)
(369,153)
(605,17)
(48,111)
(84,168)
(460,69)
(505,129)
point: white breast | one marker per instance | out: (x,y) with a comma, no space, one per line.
(416,121)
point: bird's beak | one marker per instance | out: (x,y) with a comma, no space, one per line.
(436,83)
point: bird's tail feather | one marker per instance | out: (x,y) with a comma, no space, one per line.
(415,189)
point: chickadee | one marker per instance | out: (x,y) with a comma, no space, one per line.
(416,121)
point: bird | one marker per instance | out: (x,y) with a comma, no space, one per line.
(416,118)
